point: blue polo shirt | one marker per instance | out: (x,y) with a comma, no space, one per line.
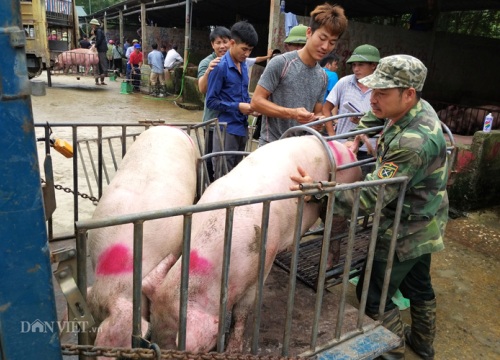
(227,87)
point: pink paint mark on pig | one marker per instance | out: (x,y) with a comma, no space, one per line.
(116,259)
(185,133)
(337,155)
(198,264)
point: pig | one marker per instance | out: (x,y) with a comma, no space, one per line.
(265,171)
(77,57)
(157,172)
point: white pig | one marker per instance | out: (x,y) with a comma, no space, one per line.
(157,172)
(266,171)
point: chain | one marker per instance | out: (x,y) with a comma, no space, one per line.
(139,353)
(70,191)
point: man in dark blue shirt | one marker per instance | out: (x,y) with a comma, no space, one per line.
(228,92)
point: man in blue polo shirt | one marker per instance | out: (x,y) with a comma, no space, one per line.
(228,92)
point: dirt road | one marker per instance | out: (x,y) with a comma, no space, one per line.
(465,274)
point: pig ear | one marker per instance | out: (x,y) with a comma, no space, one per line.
(155,277)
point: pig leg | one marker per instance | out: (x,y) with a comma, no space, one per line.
(240,316)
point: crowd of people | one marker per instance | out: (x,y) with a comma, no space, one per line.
(300,86)
(112,55)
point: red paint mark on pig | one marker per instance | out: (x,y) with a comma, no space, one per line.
(117,259)
(337,155)
(198,264)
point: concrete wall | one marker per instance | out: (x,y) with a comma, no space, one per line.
(475,183)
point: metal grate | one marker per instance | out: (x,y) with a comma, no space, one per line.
(309,255)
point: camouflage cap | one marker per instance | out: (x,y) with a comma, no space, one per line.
(397,71)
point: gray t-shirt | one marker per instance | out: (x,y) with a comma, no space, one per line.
(208,114)
(292,84)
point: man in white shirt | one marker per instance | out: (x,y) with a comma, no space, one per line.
(172,60)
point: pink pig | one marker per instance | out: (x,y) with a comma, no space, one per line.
(157,172)
(83,57)
(266,171)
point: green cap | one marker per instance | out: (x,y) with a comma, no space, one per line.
(365,53)
(397,71)
(297,35)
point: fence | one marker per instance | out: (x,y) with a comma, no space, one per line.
(327,326)
(466,120)
(325,331)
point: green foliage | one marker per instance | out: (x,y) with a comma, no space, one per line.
(485,23)
(476,23)
(91,6)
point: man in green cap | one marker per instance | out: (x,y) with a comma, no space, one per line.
(297,38)
(412,144)
(349,89)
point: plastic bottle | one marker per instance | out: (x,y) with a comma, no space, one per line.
(488,122)
(282,6)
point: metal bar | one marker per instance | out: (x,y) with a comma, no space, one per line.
(226,260)
(74,131)
(347,263)
(157,214)
(105,169)
(84,166)
(322,270)
(113,157)
(91,158)
(371,252)
(292,279)
(392,249)
(137,285)
(186,250)
(99,161)
(81,277)
(124,141)
(261,276)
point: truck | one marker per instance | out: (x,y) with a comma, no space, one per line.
(50,27)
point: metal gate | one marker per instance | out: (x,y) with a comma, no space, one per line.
(336,331)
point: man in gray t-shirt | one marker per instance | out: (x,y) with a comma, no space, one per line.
(281,80)
(292,88)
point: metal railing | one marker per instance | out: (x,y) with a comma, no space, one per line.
(96,157)
(139,220)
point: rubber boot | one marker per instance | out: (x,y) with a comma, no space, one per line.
(392,321)
(420,335)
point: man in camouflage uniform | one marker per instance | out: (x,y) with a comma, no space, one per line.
(412,144)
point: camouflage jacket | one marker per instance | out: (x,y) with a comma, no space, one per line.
(415,147)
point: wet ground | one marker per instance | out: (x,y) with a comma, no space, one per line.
(465,274)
